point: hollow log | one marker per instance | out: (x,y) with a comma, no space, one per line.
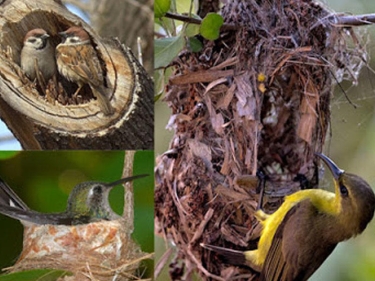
(49,116)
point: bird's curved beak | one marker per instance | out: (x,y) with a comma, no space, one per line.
(45,36)
(336,171)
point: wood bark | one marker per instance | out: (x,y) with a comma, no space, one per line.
(43,119)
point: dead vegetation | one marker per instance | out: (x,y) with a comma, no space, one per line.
(256,99)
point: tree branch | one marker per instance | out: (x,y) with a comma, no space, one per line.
(355,20)
(187,19)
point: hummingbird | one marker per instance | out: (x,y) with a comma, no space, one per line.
(88,202)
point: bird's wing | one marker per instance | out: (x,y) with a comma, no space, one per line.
(293,255)
(13,206)
(35,217)
(75,57)
(274,266)
(9,198)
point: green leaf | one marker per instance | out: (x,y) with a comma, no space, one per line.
(166,49)
(195,44)
(210,27)
(161,7)
(192,30)
(35,275)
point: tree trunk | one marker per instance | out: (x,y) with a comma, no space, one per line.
(50,117)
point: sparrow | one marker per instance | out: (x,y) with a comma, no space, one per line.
(38,55)
(88,202)
(78,62)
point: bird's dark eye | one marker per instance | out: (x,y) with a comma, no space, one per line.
(31,40)
(98,189)
(73,39)
(343,190)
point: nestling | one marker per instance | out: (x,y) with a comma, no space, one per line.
(38,54)
(78,62)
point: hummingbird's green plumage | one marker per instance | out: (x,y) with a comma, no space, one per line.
(88,202)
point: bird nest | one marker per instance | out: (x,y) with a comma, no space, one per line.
(96,251)
(255,100)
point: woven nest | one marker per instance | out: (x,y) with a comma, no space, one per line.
(256,99)
(96,251)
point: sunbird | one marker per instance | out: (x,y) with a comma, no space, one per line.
(298,237)
(87,203)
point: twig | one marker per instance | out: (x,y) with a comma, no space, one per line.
(129,196)
(225,26)
(199,231)
(202,268)
(355,20)
(162,262)
(139,46)
(183,18)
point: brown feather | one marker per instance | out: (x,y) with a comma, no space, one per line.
(72,57)
(79,63)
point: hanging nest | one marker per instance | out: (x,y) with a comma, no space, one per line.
(255,100)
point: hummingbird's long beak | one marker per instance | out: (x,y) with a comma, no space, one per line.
(124,180)
(336,171)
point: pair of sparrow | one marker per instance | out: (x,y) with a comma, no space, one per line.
(75,59)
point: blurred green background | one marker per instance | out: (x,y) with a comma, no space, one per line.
(44,180)
(351,145)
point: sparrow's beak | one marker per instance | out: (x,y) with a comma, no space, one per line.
(62,34)
(45,36)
